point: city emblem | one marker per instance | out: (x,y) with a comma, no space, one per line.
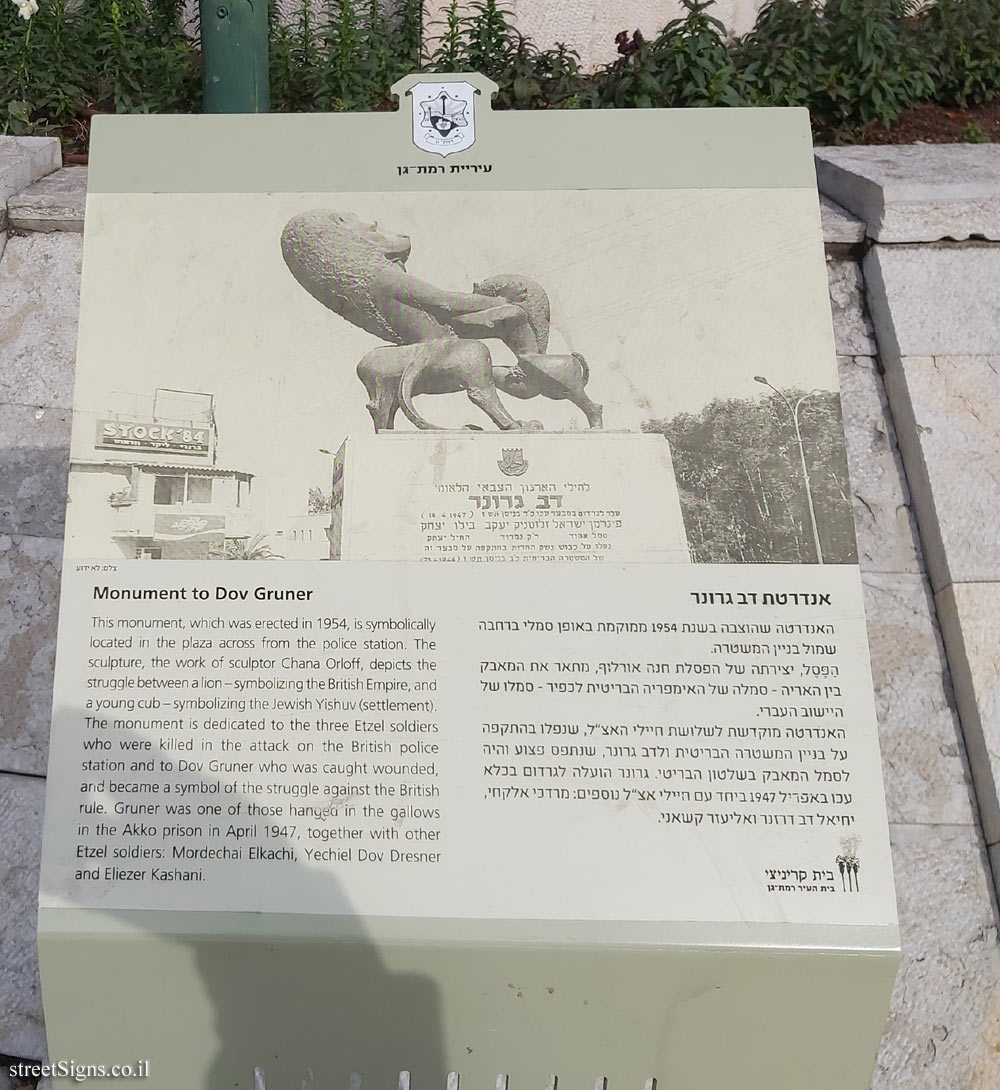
(444,118)
(513,463)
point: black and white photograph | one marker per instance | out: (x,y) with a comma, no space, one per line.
(461,337)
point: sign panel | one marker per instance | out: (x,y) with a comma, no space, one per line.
(148,436)
(548,635)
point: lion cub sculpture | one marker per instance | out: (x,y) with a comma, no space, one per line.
(358,270)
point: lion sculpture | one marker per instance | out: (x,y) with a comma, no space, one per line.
(358,271)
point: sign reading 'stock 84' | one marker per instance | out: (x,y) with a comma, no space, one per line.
(137,435)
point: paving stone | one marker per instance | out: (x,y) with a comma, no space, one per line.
(39,308)
(934,300)
(884,520)
(947,412)
(55,203)
(29,603)
(916,192)
(944,1024)
(34,459)
(839,226)
(852,328)
(923,759)
(970,621)
(22,1030)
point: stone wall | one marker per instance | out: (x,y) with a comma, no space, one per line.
(914,272)
(589,26)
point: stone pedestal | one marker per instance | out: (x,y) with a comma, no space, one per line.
(489,497)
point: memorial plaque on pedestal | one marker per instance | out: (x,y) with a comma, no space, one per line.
(594,497)
(534,734)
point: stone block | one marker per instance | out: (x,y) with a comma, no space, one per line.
(40,303)
(916,192)
(852,328)
(923,759)
(934,300)
(970,621)
(29,602)
(44,152)
(22,1031)
(947,412)
(25,159)
(55,203)
(839,226)
(884,520)
(944,1023)
(34,460)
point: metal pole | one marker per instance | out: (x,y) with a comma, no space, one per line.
(794,410)
(234,56)
(805,477)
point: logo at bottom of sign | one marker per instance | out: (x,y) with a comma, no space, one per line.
(444,116)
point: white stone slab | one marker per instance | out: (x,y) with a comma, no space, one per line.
(883,518)
(839,226)
(29,600)
(916,193)
(55,203)
(22,1030)
(970,621)
(923,760)
(852,328)
(39,304)
(33,467)
(944,1023)
(934,300)
(947,409)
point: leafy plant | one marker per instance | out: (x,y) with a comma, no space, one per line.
(974,133)
(873,67)
(962,40)
(780,58)
(853,63)
(688,64)
(251,548)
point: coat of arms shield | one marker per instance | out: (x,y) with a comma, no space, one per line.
(513,463)
(444,116)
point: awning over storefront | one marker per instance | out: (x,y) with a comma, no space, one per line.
(164,467)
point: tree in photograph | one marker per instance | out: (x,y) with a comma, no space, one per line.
(319,501)
(743,493)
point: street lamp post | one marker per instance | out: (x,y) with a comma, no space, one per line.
(794,410)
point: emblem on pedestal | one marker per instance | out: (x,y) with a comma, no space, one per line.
(513,463)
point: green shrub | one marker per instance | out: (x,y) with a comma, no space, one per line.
(962,40)
(779,58)
(108,54)
(853,63)
(688,64)
(873,68)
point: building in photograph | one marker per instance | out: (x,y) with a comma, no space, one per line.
(153,489)
(304,537)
